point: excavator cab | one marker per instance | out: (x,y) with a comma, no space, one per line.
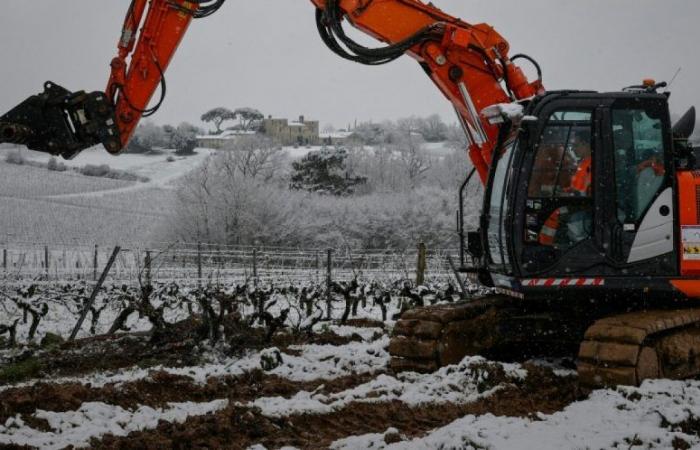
(586,195)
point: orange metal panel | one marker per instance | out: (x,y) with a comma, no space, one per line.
(689,253)
(138,79)
(691,288)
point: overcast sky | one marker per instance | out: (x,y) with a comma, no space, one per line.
(267,54)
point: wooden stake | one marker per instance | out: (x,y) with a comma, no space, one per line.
(421,265)
(329,282)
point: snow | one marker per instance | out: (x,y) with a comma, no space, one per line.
(161,172)
(607,419)
(373,440)
(228,134)
(315,362)
(334,361)
(95,419)
(458,384)
(511,111)
(336,135)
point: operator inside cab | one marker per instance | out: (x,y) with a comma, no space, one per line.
(560,188)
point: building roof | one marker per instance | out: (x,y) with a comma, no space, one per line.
(336,135)
(228,134)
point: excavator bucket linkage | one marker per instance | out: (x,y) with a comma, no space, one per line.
(60,122)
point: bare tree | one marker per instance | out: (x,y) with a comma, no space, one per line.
(433,129)
(253,157)
(413,158)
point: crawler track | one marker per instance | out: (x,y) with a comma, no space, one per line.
(630,348)
(428,338)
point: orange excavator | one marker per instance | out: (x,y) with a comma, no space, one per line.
(589,235)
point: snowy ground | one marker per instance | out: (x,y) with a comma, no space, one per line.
(352,380)
(39,205)
(157,168)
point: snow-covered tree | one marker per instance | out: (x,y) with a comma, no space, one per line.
(324,171)
(147,137)
(433,129)
(247,118)
(254,156)
(218,116)
(184,138)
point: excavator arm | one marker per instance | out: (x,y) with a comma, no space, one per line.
(470,64)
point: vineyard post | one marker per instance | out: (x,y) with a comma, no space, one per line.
(420,269)
(98,285)
(46,260)
(318,266)
(199,264)
(94,263)
(4,259)
(147,264)
(255,268)
(329,281)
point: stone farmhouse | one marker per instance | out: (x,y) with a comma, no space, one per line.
(301,132)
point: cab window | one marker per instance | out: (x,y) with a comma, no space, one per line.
(640,168)
(559,206)
(562,163)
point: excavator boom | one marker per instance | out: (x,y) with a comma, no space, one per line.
(470,65)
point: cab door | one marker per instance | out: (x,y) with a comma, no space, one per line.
(640,199)
(556,231)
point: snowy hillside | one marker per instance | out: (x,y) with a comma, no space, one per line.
(41,205)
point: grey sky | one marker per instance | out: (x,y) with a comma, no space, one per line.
(266,54)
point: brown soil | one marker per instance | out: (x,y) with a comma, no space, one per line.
(365,323)
(238,427)
(161,389)
(178,349)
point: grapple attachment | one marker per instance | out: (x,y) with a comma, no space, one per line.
(61,122)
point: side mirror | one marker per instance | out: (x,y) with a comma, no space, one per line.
(684,128)
(474,244)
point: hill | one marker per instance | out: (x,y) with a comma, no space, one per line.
(40,205)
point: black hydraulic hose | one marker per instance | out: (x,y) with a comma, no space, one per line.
(532,60)
(329,22)
(462,190)
(163,92)
(205,8)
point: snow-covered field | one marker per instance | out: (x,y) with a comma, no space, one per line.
(39,205)
(338,393)
(658,414)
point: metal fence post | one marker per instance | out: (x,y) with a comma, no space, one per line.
(98,285)
(255,268)
(199,264)
(329,282)
(421,266)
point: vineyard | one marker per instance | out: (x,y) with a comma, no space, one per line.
(188,346)
(204,264)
